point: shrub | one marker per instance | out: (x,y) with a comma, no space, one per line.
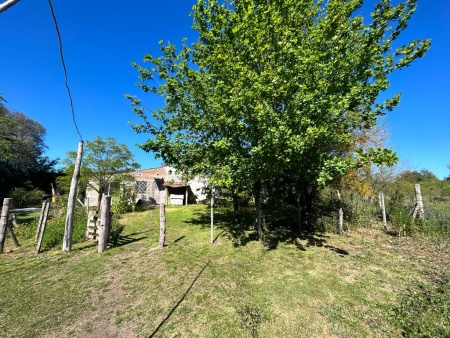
(19,197)
(22,197)
(123,201)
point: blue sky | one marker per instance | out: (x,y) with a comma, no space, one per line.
(101,39)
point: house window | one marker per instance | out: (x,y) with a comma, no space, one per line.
(141,187)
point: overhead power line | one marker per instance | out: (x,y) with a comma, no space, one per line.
(64,67)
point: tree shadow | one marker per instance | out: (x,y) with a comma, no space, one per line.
(124,240)
(179,301)
(279,226)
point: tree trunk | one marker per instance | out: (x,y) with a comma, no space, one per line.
(235,208)
(4,218)
(257,192)
(68,229)
(212,216)
(341,214)
(162,225)
(99,199)
(299,209)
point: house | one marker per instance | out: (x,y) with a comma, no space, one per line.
(158,185)
(165,185)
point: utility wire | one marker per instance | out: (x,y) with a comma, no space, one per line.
(64,67)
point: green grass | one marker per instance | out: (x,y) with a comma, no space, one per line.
(318,285)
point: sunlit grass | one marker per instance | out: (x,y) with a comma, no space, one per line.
(318,285)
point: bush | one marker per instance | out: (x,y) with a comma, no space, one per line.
(34,197)
(22,197)
(19,197)
(123,201)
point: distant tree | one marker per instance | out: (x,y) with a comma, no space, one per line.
(276,87)
(104,162)
(22,160)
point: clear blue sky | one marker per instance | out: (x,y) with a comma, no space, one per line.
(101,39)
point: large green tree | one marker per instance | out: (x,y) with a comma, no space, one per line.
(104,162)
(275,87)
(22,148)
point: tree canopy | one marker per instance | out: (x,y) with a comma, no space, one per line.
(104,162)
(22,160)
(275,88)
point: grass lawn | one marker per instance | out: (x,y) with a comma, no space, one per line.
(319,285)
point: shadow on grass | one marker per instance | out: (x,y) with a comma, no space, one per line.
(179,301)
(125,240)
(278,226)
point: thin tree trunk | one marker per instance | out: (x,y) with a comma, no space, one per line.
(4,218)
(162,225)
(341,214)
(212,216)
(258,209)
(299,206)
(99,199)
(235,208)
(68,229)
(104,224)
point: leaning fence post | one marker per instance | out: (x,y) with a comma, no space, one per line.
(383,211)
(68,228)
(41,227)
(45,205)
(4,221)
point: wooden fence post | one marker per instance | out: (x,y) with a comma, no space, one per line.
(4,221)
(68,229)
(162,225)
(44,203)
(44,211)
(418,208)
(383,211)
(41,227)
(105,223)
